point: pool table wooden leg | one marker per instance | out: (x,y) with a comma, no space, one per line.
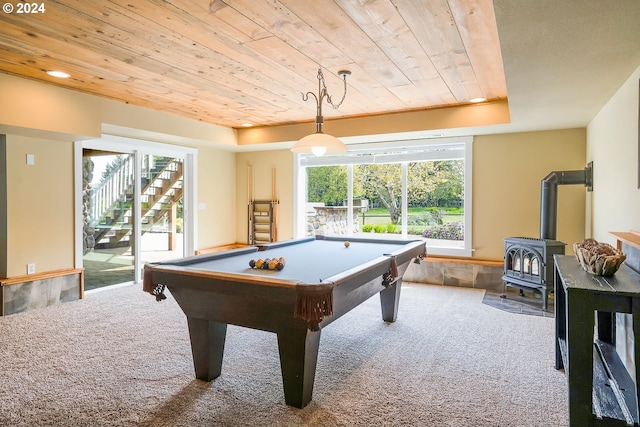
(389,299)
(207,347)
(298,358)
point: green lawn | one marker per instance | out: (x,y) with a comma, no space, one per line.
(381,215)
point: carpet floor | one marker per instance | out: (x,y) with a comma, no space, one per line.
(119,358)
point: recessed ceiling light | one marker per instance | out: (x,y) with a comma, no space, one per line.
(478,100)
(246,125)
(59,74)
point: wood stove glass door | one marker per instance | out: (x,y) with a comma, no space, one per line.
(524,263)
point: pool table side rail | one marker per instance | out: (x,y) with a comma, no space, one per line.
(275,245)
(399,242)
(410,250)
(217,255)
(245,278)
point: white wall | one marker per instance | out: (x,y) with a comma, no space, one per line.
(612,145)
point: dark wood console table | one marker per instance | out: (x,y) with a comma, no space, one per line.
(601,391)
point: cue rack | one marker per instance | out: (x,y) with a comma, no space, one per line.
(263,214)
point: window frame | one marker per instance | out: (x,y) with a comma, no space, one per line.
(411,151)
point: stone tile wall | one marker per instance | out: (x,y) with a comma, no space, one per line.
(29,295)
(481,275)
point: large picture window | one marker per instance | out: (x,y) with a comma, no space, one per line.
(402,189)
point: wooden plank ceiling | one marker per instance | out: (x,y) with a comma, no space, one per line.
(249,61)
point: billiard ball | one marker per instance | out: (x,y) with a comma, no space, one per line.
(346,244)
(252,263)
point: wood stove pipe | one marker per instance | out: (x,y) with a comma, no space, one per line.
(549,196)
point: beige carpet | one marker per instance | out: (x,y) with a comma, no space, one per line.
(119,358)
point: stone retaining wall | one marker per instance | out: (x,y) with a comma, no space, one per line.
(331,220)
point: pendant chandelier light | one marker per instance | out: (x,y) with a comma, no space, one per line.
(320,143)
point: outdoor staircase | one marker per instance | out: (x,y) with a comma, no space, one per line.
(112,201)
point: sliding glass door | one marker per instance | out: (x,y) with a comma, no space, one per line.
(107,218)
(134,204)
(161,208)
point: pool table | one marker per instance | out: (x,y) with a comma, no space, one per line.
(322,279)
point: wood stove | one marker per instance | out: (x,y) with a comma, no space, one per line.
(528,264)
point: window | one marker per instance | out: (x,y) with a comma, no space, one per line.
(401,189)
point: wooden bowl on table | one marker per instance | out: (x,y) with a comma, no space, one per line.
(600,259)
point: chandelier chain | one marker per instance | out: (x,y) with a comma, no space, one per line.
(324,88)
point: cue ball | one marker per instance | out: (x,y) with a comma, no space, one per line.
(346,244)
